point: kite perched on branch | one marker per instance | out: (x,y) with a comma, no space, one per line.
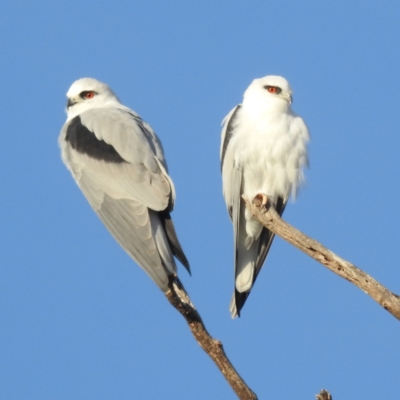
(263,153)
(118,162)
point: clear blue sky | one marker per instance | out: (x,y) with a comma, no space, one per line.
(79,320)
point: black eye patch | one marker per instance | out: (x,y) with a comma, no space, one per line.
(85,93)
(273,89)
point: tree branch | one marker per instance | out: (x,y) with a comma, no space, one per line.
(179,298)
(323,395)
(271,220)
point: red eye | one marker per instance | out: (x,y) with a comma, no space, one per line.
(273,89)
(89,95)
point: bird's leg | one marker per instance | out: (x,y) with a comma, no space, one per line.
(261,201)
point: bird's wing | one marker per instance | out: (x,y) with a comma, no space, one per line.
(175,246)
(229,169)
(237,211)
(131,225)
(232,174)
(131,195)
(126,162)
(227,131)
(258,252)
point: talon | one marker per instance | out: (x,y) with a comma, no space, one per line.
(261,200)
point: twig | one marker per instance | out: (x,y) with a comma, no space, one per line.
(271,220)
(324,395)
(178,297)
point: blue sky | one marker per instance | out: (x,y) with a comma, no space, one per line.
(79,320)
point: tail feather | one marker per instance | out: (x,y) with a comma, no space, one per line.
(176,248)
(250,256)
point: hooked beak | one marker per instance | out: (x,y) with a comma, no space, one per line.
(288,98)
(70,103)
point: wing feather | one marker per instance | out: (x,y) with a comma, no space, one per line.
(124,220)
(227,131)
(121,170)
(172,238)
(142,176)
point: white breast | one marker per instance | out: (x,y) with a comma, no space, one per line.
(272,152)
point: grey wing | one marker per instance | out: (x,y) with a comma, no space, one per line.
(131,225)
(136,228)
(152,137)
(130,197)
(236,209)
(227,131)
(110,143)
(237,212)
(228,164)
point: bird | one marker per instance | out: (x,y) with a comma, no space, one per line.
(118,162)
(263,154)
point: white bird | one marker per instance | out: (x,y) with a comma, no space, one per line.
(263,153)
(118,162)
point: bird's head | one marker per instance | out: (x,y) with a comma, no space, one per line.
(270,92)
(86,93)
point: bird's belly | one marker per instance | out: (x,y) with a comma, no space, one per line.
(269,166)
(270,179)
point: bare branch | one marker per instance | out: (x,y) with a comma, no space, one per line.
(271,220)
(324,395)
(179,298)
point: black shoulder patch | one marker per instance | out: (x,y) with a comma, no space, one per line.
(86,142)
(228,134)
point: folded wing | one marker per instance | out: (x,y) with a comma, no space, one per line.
(118,163)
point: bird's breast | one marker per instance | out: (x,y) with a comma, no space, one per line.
(271,153)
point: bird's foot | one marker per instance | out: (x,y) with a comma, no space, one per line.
(261,201)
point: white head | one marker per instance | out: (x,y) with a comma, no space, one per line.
(268,93)
(88,93)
